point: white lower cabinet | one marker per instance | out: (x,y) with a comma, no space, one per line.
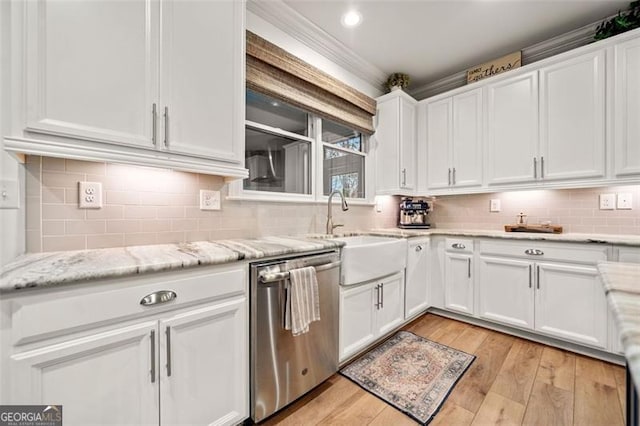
(505,291)
(102,378)
(565,300)
(458,287)
(181,361)
(416,282)
(570,303)
(203,374)
(368,311)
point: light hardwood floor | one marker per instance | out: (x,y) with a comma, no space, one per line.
(512,381)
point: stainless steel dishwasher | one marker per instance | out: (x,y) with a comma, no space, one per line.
(284,367)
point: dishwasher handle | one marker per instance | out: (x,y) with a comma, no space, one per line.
(270,277)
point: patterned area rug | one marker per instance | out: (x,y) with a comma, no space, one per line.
(413,374)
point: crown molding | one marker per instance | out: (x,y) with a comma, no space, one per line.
(283,17)
(553,46)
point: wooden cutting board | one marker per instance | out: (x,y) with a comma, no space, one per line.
(548,229)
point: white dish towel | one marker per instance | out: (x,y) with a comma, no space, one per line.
(302,306)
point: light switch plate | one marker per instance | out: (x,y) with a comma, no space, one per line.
(625,201)
(209,200)
(9,194)
(89,195)
(494,205)
(607,201)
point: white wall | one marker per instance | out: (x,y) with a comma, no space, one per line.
(12,221)
(278,37)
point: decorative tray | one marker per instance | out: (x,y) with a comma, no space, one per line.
(549,229)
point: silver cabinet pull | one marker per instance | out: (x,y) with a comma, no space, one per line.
(377,305)
(166,127)
(168,333)
(530,279)
(454,176)
(535,168)
(469,268)
(162,296)
(449,177)
(534,252)
(154,124)
(404,177)
(153,356)
(458,246)
(418,248)
(541,167)
(382,296)
(538,276)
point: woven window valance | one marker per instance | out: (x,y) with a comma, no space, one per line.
(277,73)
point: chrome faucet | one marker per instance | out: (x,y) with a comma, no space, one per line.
(345,207)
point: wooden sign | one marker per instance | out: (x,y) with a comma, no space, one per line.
(497,66)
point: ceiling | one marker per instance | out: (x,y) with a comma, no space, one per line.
(433,39)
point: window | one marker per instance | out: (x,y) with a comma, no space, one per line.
(343,160)
(277,147)
(283,143)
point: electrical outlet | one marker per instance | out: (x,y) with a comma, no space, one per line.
(494,205)
(209,200)
(90,195)
(607,201)
(625,201)
(9,194)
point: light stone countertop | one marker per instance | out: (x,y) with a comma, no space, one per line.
(64,267)
(53,268)
(622,286)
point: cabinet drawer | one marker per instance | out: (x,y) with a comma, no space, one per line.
(50,313)
(459,245)
(534,250)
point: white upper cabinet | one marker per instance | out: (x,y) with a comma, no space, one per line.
(396,143)
(512,130)
(454,141)
(92,69)
(466,160)
(572,118)
(627,108)
(202,78)
(150,82)
(439,135)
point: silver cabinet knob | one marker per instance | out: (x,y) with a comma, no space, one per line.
(418,248)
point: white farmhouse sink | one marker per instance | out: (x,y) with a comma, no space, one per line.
(366,257)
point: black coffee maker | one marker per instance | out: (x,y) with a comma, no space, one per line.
(413,213)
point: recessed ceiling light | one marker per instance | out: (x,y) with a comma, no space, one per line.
(351,19)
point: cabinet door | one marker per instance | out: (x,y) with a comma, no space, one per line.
(458,291)
(407,145)
(387,145)
(505,291)
(570,304)
(572,118)
(91,69)
(512,129)
(357,318)
(104,378)
(627,108)
(416,284)
(204,365)
(467,139)
(391,311)
(202,78)
(439,137)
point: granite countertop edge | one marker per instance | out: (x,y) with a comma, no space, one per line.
(56,268)
(621,282)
